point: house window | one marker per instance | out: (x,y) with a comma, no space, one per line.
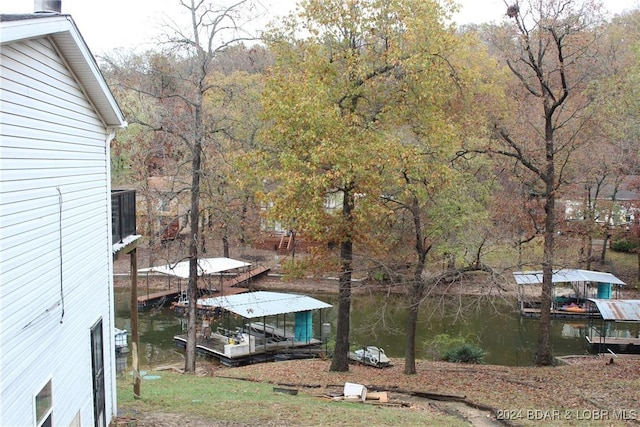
(44,406)
(97,365)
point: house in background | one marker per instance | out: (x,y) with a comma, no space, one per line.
(57,117)
(614,203)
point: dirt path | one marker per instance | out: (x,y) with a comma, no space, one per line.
(476,417)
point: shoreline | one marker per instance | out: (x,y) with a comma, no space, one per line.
(275,282)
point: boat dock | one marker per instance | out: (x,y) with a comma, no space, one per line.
(237,333)
(227,286)
(571,288)
(618,327)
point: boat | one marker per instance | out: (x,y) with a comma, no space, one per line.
(372,356)
(575,308)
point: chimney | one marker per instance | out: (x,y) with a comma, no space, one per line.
(48,6)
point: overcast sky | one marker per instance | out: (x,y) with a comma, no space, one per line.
(110,24)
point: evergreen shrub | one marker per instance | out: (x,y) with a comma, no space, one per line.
(465,353)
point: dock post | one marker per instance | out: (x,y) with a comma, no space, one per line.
(134,323)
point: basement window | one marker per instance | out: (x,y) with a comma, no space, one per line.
(44,406)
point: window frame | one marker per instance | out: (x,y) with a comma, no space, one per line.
(46,415)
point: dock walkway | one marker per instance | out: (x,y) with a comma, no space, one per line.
(623,341)
(558,314)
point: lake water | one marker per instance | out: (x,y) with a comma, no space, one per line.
(494,324)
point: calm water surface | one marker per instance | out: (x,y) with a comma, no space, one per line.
(507,338)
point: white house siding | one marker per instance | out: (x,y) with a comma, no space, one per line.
(51,139)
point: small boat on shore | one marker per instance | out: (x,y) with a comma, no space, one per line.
(371,355)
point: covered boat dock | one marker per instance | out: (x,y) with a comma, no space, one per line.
(571,290)
(215,275)
(259,326)
(617,327)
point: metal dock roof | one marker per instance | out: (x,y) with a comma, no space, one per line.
(619,310)
(206,267)
(252,305)
(566,275)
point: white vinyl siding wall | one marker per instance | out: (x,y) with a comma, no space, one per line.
(51,138)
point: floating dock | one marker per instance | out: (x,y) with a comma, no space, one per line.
(238,332)
(254,350)
(617,344)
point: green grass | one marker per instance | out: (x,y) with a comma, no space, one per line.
(625,262)
(236,401)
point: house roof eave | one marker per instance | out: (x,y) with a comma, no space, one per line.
(63,32)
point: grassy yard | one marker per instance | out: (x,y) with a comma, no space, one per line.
(207,399)
(245,396)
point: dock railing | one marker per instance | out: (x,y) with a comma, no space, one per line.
(123,214)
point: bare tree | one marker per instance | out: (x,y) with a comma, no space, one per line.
(547,47)
(214,29)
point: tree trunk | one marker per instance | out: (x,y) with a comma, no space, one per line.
(589,252)
(340,361)
(192,289)
(412,326)
(638,250)
(605,243)
(544,354)
(203,242)
(636,230)
(192,294)
(225,247)
(417,290)
(135,341)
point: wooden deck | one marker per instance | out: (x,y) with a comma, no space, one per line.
(227,287)
(558,314)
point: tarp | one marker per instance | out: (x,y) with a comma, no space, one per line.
(252,305)
(566,275)
(619,310)
(206,267)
